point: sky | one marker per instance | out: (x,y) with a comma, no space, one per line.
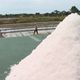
(33,6)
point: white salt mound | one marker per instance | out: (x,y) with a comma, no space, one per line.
(56,58)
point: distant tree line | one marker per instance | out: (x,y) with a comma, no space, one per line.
(73,9)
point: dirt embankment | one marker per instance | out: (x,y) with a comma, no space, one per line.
(30,25)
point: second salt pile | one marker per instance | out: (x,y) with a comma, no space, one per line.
(56,58)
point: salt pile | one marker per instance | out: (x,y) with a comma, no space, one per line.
(56,58)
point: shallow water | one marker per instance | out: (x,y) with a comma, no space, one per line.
(12,50)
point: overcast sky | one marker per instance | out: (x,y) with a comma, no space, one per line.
(32,6)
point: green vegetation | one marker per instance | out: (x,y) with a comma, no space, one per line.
(74,9)
(37,17)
